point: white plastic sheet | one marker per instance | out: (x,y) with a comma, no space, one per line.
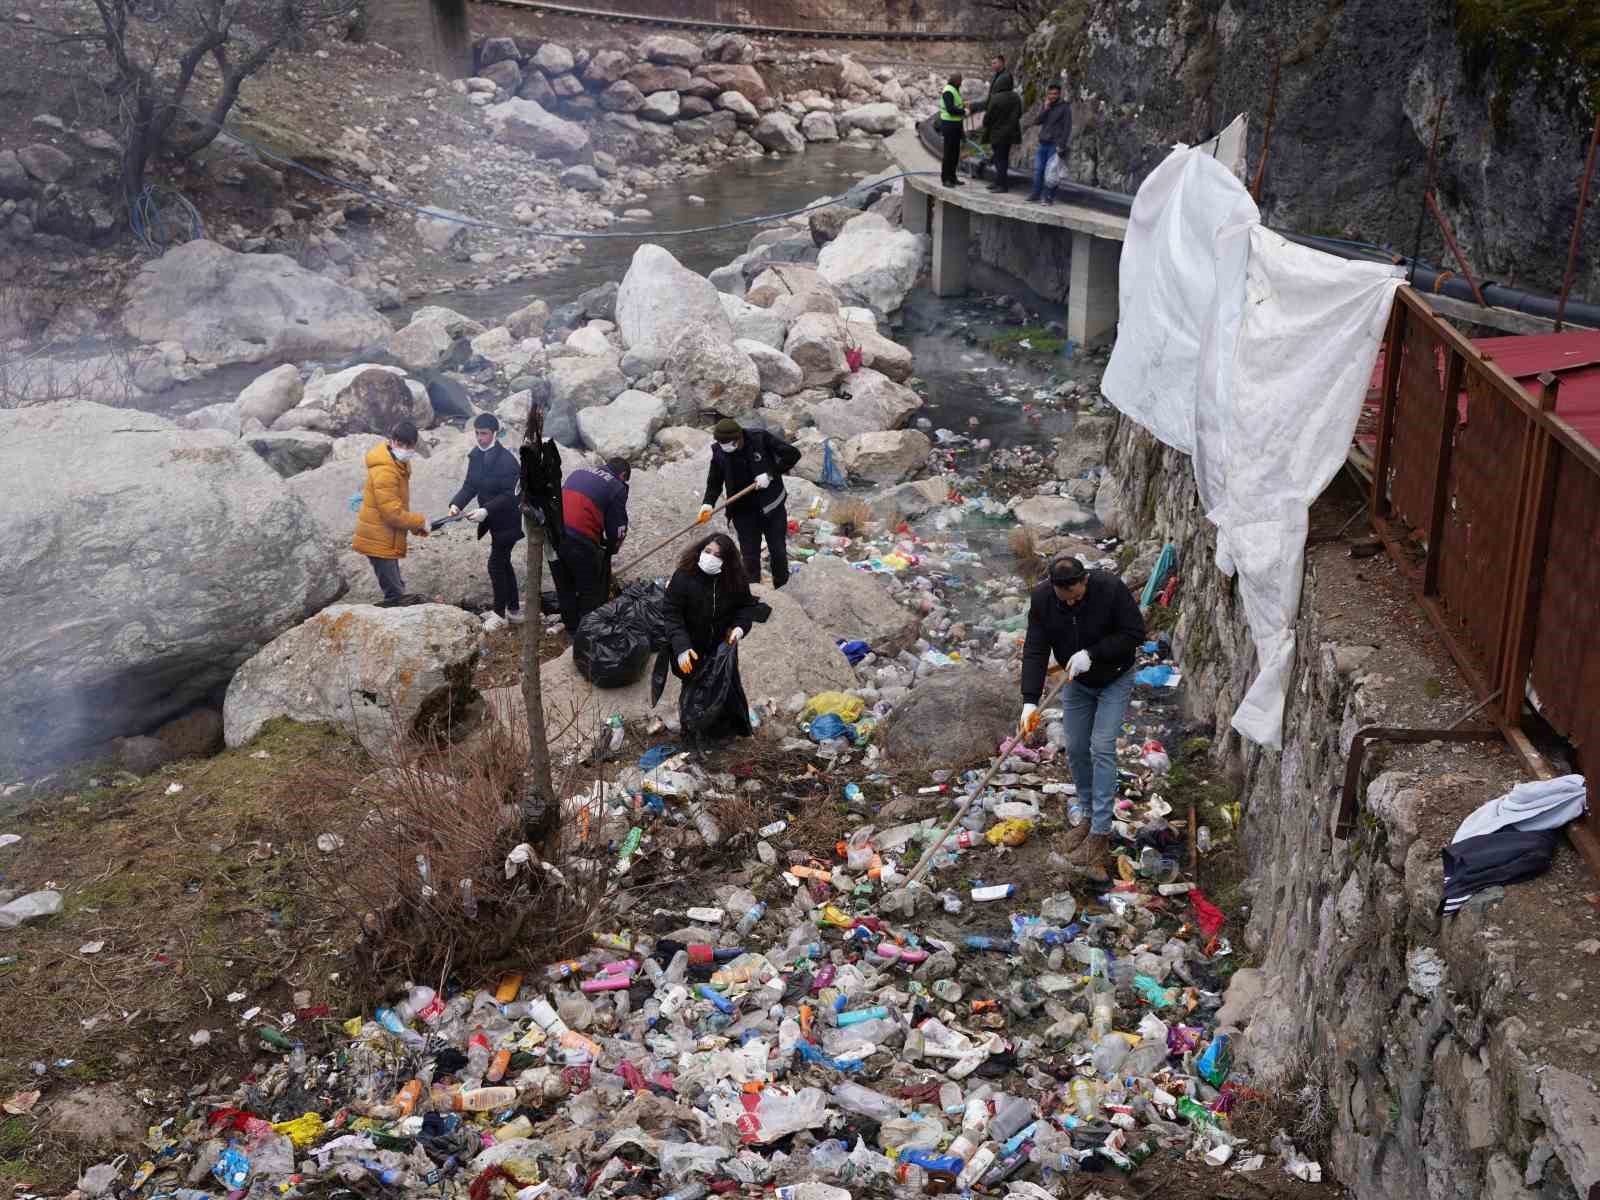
(1252,354)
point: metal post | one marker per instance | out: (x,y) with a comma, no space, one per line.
(1386,407)
(1427,186)
(1533,545)
(1577,224)
(1266,134)
(1450,241)
(1449,418)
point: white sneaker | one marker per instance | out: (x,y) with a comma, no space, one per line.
(493,623)
(515,616)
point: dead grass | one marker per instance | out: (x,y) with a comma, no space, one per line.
(850,517)
(1025,549)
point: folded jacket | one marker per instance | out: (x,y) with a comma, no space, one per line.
(1540,804)
(1493,858)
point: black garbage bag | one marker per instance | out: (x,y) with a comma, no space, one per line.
(613,643)
(712,703)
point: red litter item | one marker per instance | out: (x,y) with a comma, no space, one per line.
(853,357)
(1207,915)
(700,954)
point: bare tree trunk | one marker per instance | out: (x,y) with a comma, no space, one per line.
(538,792)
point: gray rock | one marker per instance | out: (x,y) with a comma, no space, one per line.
(622,97)
(15,183)
(826,223)
(778,372)
(143,607)
(819,127)
(385,675)
(529,320)
(553,59)
(670,51)
(882,118)
(267,397)
(871,264)
(755,324)
(520,122)
(99,1114)
(729,279)
(578,383)
(223,417)
(625,427)
(814,343)
(224,307)
(599,303)
(1084,447)
(953,718)
(98,141)
(690,106)
(505,75)
(605,68)
(730,48)
(195,734)
(741,78)
(1051,514)
(718,377)
(537,88)
(365,398)
(660,298)
(698,131)
(887,456)
(45,163)
(850,604)
(582,178)
(908,501)
(440,230)
(660,107)
(423,345)
(739,106)
(684,441)
(141,755)
(498,49)
(293,451)
(776,132)
(649,77)
(878,352)
(570,88)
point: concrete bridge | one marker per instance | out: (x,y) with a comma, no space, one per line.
(946,214)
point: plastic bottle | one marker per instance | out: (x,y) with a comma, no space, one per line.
(750,919)
(864,1101)
(1110,1053)
(1011,1113)
(469,901)
(977,1165)
(1085,1096)
(811,1190)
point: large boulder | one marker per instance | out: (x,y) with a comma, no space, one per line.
(777,132)
(881,399)
(908,501)
(423,345)
(852,604)
(389,676)
(497,49)
(520,122)
(779,373)
(788,653)
(738,77)
(267,397)
(45,163)
(730,48)
(882,118)
(606,67)
(663,500)
(826,222)
(366,398)
(660,298)
(887,456)
(135,589)
(293,451)
(661,107)
(879,353)
(226,307)
(739,106)
(816,343)
(223,416)
(755,324)
(712,374)
(872,264)
(954,718)
(504,75)
(1051,514)
(670,51)
(819,127)
(554,59)
(622,97)
(578,382)
(698,131)
(648,77)
(625,427)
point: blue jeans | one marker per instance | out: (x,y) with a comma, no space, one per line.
(1094,718)
(388,572)
(1041,160)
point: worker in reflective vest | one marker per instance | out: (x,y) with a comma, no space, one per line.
(952,118)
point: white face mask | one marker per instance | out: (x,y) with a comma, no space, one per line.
(727,447)
(402,455)
(710,563)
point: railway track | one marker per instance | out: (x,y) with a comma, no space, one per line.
(699,26)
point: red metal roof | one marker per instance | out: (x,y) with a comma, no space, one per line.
(1575,357)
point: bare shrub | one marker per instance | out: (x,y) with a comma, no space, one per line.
(1025,549)
(850,517)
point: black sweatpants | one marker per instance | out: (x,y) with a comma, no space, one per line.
(953,135)
(1002,165)
(502,574)
(774,527)
(579,573)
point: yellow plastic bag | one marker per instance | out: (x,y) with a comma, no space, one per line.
(1009,833)
(303,1130)
(846,708)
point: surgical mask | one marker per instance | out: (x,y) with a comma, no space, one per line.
(728,447)
(402,455)
(710,563)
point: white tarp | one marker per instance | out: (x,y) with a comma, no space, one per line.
(1252,354)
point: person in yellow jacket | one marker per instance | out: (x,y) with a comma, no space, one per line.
(384,518)
(952,127)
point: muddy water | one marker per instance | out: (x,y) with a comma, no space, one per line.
(749,188)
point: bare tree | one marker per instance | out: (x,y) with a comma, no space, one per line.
(541,503)
(158,48)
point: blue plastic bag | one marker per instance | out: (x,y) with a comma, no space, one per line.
(1156,676)
(829,726)
(833,475)
(854,651)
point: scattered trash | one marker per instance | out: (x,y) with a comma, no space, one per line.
(92,947)
(29,908)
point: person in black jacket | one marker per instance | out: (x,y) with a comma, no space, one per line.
(709,603)
(1091,624)
(494,478)
(1055,134)
(740,457)
(594,518)
(1002,128)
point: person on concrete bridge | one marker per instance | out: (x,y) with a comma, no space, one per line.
(952,124)
(1091,624)
(384,517)
(1002,128)
(494,480)
(740,457)
(1055,135)
(594,518)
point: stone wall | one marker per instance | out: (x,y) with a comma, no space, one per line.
(1039,255)
(1423,1043)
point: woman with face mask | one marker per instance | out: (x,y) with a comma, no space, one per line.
(494,481)
(708,604)
(384,519)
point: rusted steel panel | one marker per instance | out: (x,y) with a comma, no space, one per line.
(1566,654)
(1480,529)
(1414,453)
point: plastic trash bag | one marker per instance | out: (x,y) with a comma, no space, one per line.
(613,643)
(1056,173)
(712,703)
(846,708)
(833,475)
(829,726)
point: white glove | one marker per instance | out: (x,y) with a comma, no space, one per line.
(1078,664)
(734,635)
(705,514)
(686,661)
(454,510)
(1029,720)
(478,514)
(763,481)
